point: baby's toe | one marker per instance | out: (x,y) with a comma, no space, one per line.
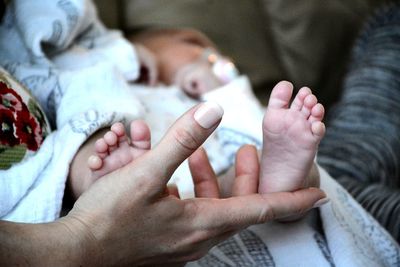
(309,102)
(140,135)
(298,101)
(281,95)
(118,128)
(317,113)
(112,140)
(318,129)
(101,148)
(95,162)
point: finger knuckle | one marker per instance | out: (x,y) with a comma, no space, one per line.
(266,214)
(187,139)
(191,208)
(300,210)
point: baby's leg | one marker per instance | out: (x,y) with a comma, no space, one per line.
(114,150)
(290,139)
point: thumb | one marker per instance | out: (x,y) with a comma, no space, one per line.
(184,137)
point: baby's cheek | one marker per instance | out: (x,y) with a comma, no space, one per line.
(168,70)
(173,59)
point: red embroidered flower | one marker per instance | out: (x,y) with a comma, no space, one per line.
(10,99)
(7,128)
(28,130)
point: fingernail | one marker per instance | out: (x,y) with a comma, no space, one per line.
(208,114)
(321,202)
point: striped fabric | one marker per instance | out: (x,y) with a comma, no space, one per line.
(362,145)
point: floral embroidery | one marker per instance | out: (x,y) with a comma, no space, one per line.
(23,125)
(7,136)
(18,125)
(9,99)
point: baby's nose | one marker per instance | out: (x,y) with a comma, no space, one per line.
(200,81)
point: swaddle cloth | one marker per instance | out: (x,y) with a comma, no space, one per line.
(77,70)
(340,233)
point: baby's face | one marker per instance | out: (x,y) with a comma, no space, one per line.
(181,63)
(197,78)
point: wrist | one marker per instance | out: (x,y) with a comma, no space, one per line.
(47,244)
(80,247)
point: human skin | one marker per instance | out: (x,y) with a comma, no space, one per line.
(288,155)
(179,57)
(149,63)
(173,48)
(127,218)
(292,131)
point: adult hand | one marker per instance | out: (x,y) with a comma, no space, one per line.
(129,218)
(148,65)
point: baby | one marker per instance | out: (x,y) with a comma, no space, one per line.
(291,134)
(182,57)
(188,59)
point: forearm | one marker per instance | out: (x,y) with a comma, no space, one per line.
(51,244)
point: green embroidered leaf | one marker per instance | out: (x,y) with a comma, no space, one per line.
(11,155)
(38,114)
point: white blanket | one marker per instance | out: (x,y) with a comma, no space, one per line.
(78,70)
(40,44)
(347,237)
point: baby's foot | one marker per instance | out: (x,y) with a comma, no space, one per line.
(115,149)
(290,138)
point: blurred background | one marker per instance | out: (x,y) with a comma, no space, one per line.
(307,42)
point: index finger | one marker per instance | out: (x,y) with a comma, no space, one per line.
(240,212)
(203,175)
